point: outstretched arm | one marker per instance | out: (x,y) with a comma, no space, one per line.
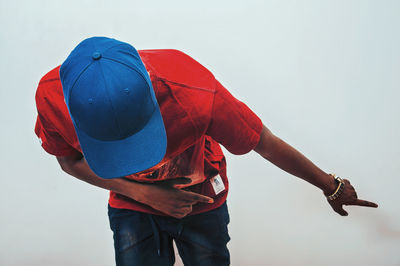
(292,161)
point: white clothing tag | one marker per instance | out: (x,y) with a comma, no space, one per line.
(217,184)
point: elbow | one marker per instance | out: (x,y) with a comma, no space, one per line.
(65,166)
(67,163)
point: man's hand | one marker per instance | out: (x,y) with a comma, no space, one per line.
(165,197)
(348,197)
(292,161)
(162,195)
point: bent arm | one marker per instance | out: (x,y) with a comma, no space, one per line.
(77,166)
(292,161)
(161,196)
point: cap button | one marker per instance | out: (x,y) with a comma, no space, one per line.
(96,55)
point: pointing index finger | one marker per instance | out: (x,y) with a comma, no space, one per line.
(365,203)
(200,198)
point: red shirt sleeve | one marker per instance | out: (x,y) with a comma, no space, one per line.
(233,124)
(51,141)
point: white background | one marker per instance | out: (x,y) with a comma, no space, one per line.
(322,75)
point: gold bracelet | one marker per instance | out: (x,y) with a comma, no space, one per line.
(339,190)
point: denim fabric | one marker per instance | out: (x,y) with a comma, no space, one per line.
(146,239)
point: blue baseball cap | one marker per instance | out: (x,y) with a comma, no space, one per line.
(113,107)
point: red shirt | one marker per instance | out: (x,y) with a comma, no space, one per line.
(198,114)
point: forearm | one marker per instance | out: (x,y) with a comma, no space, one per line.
(163,196)
(81,170)
(292,161)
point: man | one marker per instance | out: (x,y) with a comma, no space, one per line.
(147,126)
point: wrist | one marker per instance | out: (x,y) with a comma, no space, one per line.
(131,189)
(330,186)
(339,189)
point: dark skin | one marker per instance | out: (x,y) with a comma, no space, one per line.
(175,202)
(292,161)
(162,196)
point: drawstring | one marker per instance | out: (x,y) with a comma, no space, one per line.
(156,233)
(180,227)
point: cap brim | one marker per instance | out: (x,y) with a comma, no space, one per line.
(142,150)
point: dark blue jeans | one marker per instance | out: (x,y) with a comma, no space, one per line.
(145,239)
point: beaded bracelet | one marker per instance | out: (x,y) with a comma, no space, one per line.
(339,190)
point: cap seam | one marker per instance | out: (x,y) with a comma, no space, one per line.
(112,59)
(141,75)
(112,106)
(76,80)
(113,47)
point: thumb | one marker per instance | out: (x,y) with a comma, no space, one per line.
(175,181)
(341,211)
